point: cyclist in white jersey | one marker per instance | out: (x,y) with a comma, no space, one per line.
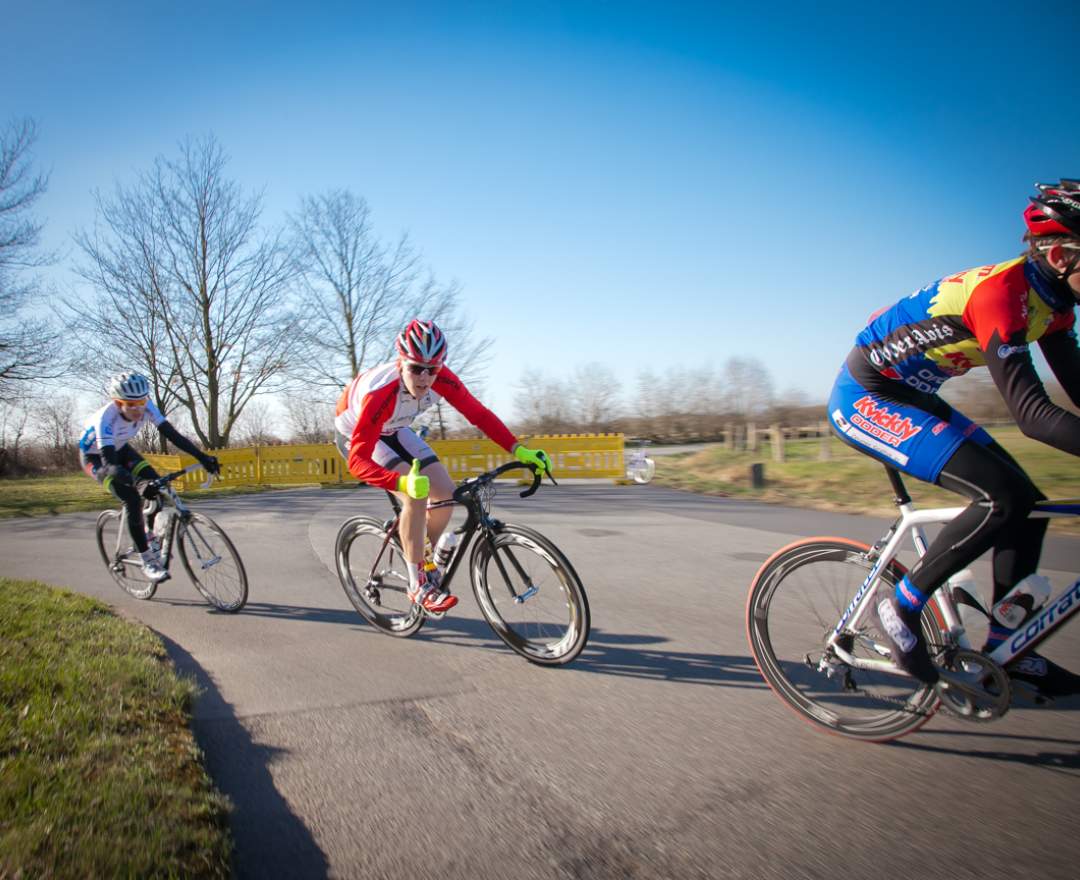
(105,455)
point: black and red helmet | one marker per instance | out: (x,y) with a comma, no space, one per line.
(422,342)
(1056,210)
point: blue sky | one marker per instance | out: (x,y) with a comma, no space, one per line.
(639,184)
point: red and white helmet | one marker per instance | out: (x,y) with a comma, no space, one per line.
(422,342)
(1056,210)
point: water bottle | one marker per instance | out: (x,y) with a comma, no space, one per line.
(159,536)
(444,550)
(1022,601)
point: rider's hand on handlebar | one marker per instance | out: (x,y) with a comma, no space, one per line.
(536,457)
(211,465)
(414,484)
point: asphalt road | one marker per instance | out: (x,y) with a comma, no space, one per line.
(659,753)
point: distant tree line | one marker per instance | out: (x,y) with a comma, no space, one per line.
(184,280)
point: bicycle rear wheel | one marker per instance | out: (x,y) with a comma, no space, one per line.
(212,563)
(120,555)
(641,471)
(796,599)
(530,595)
(375,576)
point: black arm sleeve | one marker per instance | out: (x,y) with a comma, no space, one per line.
(1063,354)
(179,440)
(1037,416)
(109,455)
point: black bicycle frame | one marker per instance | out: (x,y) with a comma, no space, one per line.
(476,519)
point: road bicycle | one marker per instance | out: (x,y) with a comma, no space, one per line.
(639,467)
(209,556)
(808,622)
(527,590)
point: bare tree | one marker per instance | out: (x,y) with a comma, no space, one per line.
(57,429)
(357,294)
(13,418)
(354,287)
(256,426)
(311,419)
(27,345)
(748,387)
(542,404)
(594,396)
(181,253)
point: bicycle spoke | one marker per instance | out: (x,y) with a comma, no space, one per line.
(212,563)
(790,618)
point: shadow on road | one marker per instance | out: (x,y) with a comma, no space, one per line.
(1066,761)
(270,841)
(627,654)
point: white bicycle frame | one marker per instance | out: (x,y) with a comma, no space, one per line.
(180,510)
(1053,614)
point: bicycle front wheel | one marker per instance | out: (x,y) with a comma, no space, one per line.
(530,595)
(212,563)
(795,602)
(121,556)
(375,576)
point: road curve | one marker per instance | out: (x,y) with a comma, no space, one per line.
(660,753)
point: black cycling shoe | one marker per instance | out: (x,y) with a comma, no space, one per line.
(903,635)
(1049,679)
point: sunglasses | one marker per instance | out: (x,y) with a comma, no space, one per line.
(132,403)
(417,369)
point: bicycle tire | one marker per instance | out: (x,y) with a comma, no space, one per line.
(121,556)
(833,569)
(558,597)
(380,596)
(219,573)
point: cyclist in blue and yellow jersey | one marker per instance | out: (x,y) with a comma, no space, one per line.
(885,403)
(372,431)
(105,455)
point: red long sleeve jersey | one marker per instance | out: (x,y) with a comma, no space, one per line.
(376,403)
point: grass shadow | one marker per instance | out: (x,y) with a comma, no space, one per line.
(269,839)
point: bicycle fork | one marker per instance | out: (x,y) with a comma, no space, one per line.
(531,588)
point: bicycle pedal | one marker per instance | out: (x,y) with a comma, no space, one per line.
(435,615)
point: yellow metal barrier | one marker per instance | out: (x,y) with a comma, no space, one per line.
(590,456)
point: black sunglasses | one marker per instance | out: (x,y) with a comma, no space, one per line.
(417,369)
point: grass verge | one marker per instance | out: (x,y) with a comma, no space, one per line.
(99,773)
(34,496)
(848,480)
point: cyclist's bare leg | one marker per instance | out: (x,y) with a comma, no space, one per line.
(441,489)
(411,524)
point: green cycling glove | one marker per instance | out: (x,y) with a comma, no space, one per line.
(533,456)
(414,484)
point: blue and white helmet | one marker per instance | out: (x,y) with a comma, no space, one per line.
(129,386)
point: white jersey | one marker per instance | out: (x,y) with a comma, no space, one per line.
(397,407)
(107,427)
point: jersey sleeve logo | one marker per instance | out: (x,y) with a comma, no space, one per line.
(1005,350)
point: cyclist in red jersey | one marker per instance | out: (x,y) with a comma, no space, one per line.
(885,404)
(372,431)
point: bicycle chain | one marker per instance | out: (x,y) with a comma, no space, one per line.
(895,701)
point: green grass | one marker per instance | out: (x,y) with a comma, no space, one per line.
(35,496)
(99,774)
(849,480)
